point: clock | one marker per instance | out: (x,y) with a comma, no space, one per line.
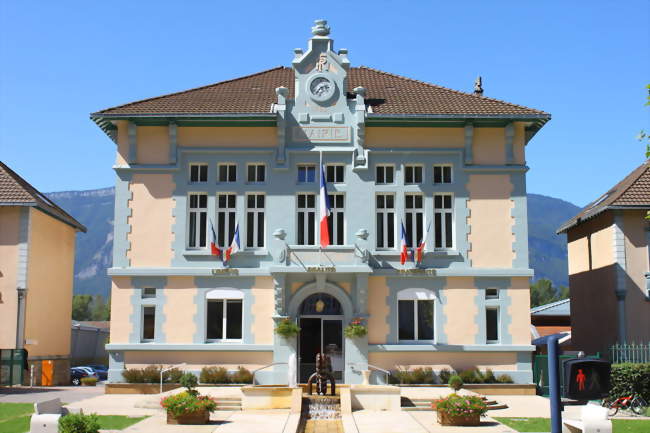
(321,88)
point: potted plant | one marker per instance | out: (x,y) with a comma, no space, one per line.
(188,407)
(287,328)
(356,329)
(460,410)
(88,381)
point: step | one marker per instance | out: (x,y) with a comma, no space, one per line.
(416,408)
(227,398)
(228,408)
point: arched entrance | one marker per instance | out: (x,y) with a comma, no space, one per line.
(320,317)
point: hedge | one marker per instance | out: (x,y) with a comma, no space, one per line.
(628,379)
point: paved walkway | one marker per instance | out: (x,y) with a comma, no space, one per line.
(67,394)
(416,422)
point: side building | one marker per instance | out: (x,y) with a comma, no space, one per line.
(37,244)
(609,266)
(449,166)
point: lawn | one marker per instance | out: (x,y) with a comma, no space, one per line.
(544,425)
(14,418)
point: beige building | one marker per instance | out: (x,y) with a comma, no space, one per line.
(37,241)
(608,266)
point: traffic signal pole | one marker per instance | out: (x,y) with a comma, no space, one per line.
(554,383)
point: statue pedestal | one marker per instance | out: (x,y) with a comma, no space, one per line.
(365,374)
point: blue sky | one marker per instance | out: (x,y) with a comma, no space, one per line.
(585,62)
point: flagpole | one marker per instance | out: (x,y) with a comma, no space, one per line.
(320,168)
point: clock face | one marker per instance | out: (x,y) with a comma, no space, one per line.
(321,88)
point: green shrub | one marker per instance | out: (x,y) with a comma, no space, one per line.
(78,423)
(151,374)
(505,378)
(628,379)
(455,382)
(445,374)
(186,403)
(172,376)
(469,376)
(424,376)
(88,381)
(214,375)
(488,376)
(133,375)
(242,375)
(287,328)
(402,377)
(189,381)
(460,405)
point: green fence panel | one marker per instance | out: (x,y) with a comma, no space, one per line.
(11,367)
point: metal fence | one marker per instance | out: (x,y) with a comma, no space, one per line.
(633,353)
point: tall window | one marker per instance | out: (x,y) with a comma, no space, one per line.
(198,218)
(306,173)
(255,220)
(335,221)
(224,319)
(227,172)
(413,174)
(492,324)
(148,323)
(385,221)
(415,313)
(443,221)
(256,173)
(226,213)
(306,219)
(198,172)
(414,219)
(334,173)
(384,174)
(442,174)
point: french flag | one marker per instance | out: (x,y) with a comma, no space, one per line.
(403,248)
(235,245)
(324,210)
(419,252)
(214,249)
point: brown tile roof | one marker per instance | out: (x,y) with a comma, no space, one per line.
(16,191)
(388,94)
(631,192)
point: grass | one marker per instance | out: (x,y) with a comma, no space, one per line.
(14,418)
(544,425)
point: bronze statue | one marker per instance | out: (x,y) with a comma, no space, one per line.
(322,375)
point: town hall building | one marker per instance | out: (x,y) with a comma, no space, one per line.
(240,161)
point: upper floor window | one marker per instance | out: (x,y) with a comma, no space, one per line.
(414,210)
(198,218)
(415,314)
(385,208)
(334,173)
(227,172)
(491,293)
(306,219)
(226,218)
(306,173)
(442,174)
(384,174)
(256,173)
(443,221)
(412,174)
(198,172)
(336,220)
(255,220)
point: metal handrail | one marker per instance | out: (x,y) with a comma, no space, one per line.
(373,367)
(266,366)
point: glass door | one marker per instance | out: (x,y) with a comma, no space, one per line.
(318,334)
(333,345)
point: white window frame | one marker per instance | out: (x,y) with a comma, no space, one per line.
(226,224)
(414,222)
(224,295)
(257,165)
(414,166)
(334,211)
(199,165)
(442,174)
(305,167)
(498,310)
(142,339)
(335,180)
(384,166)
(384,212)
(256,211)
(443,211)
(197,211)
(417,295)
(306,211)
(228,166)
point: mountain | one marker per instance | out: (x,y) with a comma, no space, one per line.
(94,209)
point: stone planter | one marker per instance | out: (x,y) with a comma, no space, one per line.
(88,383)
(194,418)
(459,420)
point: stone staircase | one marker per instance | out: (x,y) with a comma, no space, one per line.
(228,403)
(424,404)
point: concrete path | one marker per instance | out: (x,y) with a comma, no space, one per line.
(67,394)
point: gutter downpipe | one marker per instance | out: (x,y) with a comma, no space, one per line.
(554,383)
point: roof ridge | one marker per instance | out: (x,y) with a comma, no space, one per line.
(190,90)
(450,89)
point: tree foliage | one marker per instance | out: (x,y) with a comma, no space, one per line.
(87,307)
(543,292)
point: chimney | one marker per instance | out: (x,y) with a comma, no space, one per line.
(478,86)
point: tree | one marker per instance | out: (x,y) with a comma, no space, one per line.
(543,292)
(81,307)
(101,310)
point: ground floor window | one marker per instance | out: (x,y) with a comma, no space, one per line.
(415,314)
(224,315)
(492,325)
(148,323)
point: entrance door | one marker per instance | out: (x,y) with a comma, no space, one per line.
(319,334)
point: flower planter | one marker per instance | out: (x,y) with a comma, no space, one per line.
(459,420)
(88,383)
(192,418)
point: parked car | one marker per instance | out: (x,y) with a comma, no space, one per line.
(85,368)
(76,374)
(100,370)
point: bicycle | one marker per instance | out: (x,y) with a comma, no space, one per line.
(636,403)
